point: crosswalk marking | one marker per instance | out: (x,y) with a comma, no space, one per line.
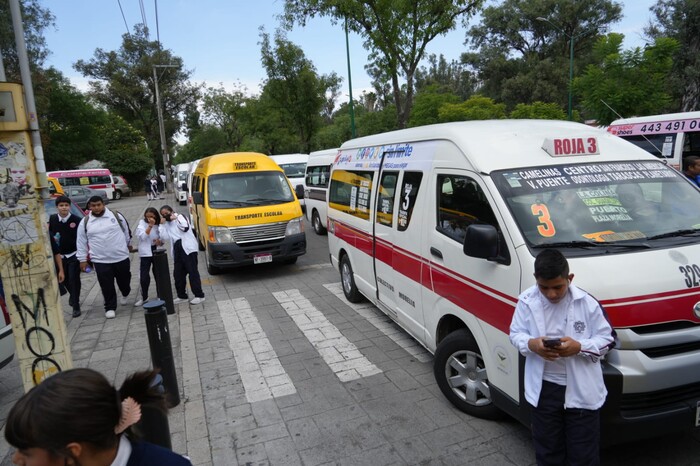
(384,324)
(262,374)
(343,357)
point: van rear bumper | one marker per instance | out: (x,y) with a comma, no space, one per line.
(235,255)
(636,416)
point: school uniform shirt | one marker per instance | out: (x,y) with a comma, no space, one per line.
(585,323)
(146,240)
(106,240)
(146,454)
(179,229)
(64,230)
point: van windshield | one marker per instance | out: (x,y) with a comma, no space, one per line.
(233,190)
(294,170)
(587,206)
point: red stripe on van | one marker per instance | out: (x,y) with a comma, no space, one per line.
(496,308)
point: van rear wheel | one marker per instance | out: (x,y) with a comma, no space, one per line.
(316,222)
(461,375)
(348,281)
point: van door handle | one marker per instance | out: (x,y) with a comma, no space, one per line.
(435,252)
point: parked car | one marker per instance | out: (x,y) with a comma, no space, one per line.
(121,188)
(81,194)
(7,341)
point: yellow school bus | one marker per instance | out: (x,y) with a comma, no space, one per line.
(245,212)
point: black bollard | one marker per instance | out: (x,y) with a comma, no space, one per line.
(162,275)
(161,348)
(154,426)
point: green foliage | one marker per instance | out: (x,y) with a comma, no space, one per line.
(538,111)
(476,107)
(428,103)
(632,82)
(123,81)
(680,20)
(225,111)
(396,33)
(125,151)
(35,19)
(452,77)
(209,140)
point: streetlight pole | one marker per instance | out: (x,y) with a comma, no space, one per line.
(161,124)
(571,38)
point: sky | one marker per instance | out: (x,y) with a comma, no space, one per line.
(218,39)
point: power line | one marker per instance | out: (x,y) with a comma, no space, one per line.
(157,26)
(143,16)
(123,17)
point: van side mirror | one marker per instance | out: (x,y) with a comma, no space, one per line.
(183,186)
(197,198)
(300,191)
(482,241)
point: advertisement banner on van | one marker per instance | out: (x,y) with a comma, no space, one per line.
(659,127)
(395,157)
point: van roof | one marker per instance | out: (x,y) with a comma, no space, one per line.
(651,118)
(502,144)
(290,158)
(226,163)
(322,157)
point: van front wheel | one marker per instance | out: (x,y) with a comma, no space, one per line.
(316,222)
(348,280)
(212,269)
(461,375)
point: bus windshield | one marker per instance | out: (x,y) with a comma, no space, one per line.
(645,204)
(233,190)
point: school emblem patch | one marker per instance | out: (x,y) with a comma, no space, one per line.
(579,326)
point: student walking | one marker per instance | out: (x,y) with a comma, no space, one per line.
(76,417)
(149,238)
(63,228)
(183,248)
(563,333)
(104,237)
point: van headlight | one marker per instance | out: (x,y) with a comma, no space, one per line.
(295,227)
(220,235)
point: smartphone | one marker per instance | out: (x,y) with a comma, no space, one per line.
(552,342)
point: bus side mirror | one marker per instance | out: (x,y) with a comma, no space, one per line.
(481,241)
(197,198)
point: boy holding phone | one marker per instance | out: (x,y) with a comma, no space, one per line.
(563,332)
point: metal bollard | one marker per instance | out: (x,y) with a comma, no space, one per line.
(154,426)
(162,275)
(161,348)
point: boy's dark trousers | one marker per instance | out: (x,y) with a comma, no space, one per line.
(71,273)
(564,436)
(106,274)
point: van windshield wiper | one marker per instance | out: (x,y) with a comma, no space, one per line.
(671,234)
(591,244)
(228,201)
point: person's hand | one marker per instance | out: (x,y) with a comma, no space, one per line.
(61,276)
(536,345)
(162,220)
(568,347)
(83,266)
(173,216)
(159,242)
(151,221)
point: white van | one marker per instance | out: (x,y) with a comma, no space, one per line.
(318,174)
(190,174)
(180,176)
(671,136)
(294,166)
(439,227)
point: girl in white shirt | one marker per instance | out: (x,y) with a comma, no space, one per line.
(149,238)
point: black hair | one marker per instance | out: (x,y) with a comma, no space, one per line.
(76,405)
(61,199)
(153,211)
(94,199)
(167,207)
(551,264)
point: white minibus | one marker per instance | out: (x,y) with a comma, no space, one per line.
(95,178)
(180,177)
(318,174)
(439,227)
(671,136)
(294,166)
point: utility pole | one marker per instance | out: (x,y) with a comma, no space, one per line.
(352,109)
(161,124)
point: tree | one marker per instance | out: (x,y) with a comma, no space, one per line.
(477,107)
(627,83)
(523,59)
(680,20)
(453,77)
(35,19)
(293,84)
(396,32)
(123,82)
(125,151)
(538,111)
(208,140)
(428,102)
(225,111)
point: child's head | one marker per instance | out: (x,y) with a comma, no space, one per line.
(152,212)
(73,406)
(552,274)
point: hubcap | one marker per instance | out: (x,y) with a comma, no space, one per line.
(467,377)
(347,277)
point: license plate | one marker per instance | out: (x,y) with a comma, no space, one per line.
(697,415)
(262,258)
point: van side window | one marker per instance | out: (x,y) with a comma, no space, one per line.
(461,202)
(350,192)
(318,176)
(408,194)
(385,200)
